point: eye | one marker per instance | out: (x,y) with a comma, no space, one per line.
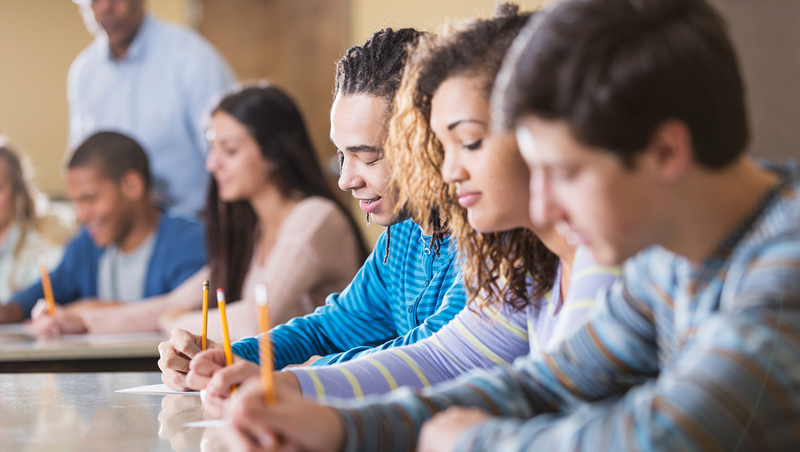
(373,162)
(474,146)
(229,151)
(340,158)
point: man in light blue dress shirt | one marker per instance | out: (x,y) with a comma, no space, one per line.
(154,81)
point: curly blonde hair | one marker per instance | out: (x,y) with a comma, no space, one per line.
(496,265)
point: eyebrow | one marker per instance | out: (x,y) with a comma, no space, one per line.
(363,149)
(457,123)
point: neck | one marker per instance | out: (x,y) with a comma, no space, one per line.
(120,49)
(565,253)
(145,220)
(710,205)
(271,208)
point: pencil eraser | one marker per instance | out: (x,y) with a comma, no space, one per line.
(261,295)
(220,295)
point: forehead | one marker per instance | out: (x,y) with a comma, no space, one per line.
(459,98)
(549,142)
(358,120)
(85,177)
(222,125)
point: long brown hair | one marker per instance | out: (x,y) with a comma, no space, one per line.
(274,121)
(496,265)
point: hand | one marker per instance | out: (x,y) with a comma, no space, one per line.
(177,410)
(292,423)
(11,313)
(310,361)
(63,322)
(175,355)
(441,433)
(209,370)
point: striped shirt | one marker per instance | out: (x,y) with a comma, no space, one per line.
(481,337)
(677,357)
(406,299)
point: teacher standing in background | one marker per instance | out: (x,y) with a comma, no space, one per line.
(154,81)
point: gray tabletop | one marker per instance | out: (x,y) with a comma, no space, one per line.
(81,412)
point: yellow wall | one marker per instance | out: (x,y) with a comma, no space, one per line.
(370,15)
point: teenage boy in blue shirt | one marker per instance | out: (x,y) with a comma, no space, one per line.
(410,285)
(127,250)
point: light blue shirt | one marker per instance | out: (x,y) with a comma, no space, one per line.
(159,94)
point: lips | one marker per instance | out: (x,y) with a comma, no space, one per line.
(573,237)
(466,199)
(369,205)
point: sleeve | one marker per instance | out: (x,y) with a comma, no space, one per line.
(338,325)
(143,316)
(452,303)
(75,108)
(206,77)
(477,338)
(732,387)
(64,279)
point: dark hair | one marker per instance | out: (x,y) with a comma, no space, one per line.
(616,69)
(498,263)
(376,69)
(112,154)
(274,121)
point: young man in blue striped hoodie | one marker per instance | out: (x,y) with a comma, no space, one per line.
(631,117)
(410,285)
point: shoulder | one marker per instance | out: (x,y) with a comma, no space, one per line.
(85,60)
(765,274)
(175,227)
(192,45)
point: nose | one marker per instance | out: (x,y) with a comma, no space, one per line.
(543,208)
(350,178)
(452,169)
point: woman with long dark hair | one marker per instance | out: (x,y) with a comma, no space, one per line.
(271,219)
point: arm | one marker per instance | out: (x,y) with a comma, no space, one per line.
(143,316)
(477,338)
(329,328)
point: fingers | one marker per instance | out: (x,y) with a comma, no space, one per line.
(173,366)
(203,367)
(45,325)
(224,378)
(185,343)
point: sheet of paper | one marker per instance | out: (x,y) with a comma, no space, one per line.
(210,423)
(156,389)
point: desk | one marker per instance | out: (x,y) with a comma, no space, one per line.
(21,351)
(81,412)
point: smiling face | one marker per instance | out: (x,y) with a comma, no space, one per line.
(490,176)
(588,194)
(359,130)
(235,160)
(102,204)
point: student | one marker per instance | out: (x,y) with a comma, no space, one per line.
(154,81)
(409,286)
(128,248)
(631,117)
(24,234)
(519,300)
(272,219)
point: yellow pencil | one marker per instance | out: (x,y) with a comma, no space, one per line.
(48,288)
(203,340)
(226,339)
(265,345)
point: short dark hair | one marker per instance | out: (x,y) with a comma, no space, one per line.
(615,70)
(112,154)
(375,68)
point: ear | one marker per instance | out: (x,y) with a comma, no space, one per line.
(671,150)
(133,186)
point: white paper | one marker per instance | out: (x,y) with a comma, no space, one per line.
(157,389)
(210,423)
